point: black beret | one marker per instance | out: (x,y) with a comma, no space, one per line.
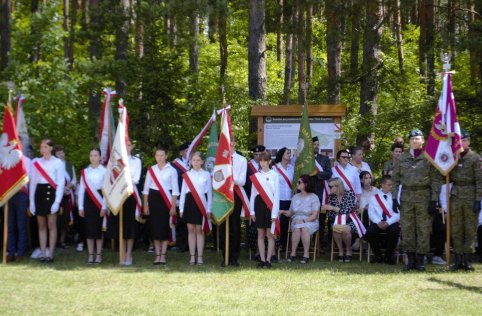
(415,132)
(259,148)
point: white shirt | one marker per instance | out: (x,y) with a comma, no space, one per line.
(284,188)
(351,173)
(135,167)
(55,169)
(272,179)
(240,165)
(167,177)
(201,179)
(366,196)
(95,178)
(28,167)
(375,211)
(443,196)
(364,167)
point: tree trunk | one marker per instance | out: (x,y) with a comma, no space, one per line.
(370,69)
(355,35)
(139,36)
(333,47)
(290,47)
(223,48)
(279,33)
(398,32)
(257,51)
(5,34)
(301,51)
(426,45)
(69,28)
(34,55)
(94,28)
(193,40)
(309,43)
(472,50)
(122,37)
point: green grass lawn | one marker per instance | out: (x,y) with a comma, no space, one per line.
(70,286)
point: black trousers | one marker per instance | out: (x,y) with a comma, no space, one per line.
(438,236)
(378,238)
(234,231)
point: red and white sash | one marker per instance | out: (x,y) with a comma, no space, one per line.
(318,166)
(137,198)
(340,219)
(166,196)
(201,202)
(179,164)
(382,206)
(344,178)
(284,175)
(261,184)
(326,193)
(252,167)
(44,174)
(95,197)
(241,193)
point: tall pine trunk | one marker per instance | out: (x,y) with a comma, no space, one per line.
(369,85)
(223,48)
(5,34)
(279,32)
(333,47)
(399,37)
(426,44)
(257,51)
(301,51)
(193,40)
(122,37)
(355,10)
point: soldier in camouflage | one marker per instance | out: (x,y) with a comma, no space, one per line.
(465,195)
(420,183)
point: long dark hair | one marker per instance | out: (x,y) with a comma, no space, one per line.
(279,154)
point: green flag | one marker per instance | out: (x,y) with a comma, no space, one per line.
(305,162)
(212,148)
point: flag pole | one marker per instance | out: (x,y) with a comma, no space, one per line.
(121,235)
(226,246)
(217,238)
(448,221)
(5,232)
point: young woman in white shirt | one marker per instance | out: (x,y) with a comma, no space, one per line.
(195,216)
(92,206)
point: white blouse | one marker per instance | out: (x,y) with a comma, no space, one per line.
(55,169)
(95,178)
(201,179)
(272,178)
(135,167)
(284,188)
(167,177)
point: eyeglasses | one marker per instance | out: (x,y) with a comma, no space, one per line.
(344,157)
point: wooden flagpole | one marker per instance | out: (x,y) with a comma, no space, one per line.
(448,221)
(5,232)
(226,246)
(121,236)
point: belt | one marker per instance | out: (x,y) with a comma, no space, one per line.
(416,188)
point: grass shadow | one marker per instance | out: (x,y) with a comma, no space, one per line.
(475,289)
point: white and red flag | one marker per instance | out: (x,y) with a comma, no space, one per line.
(13,172)
(444,142)
(107,130)
(21,124)
(118,183)
(197,140)
(223,183)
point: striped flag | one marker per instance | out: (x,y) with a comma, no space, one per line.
(197,140)
(223,183)
(107,130)
(444,142)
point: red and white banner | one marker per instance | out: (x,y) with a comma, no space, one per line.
(13,171)
(117,185)
(197,140)
(106,126)
(444,142)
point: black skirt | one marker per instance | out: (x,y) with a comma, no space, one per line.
(92,218)
(262,213)
(158,216)
(192,213)
(44,199)
(129,221)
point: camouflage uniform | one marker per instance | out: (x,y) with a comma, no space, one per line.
(420,184)
(466,189)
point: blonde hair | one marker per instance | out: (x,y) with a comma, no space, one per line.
(199,154)
(339,184)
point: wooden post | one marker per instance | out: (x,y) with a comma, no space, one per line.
(121,237)
(217,238)
(5,232)
(448,221)
(226,247)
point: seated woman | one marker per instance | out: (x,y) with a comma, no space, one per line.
(304,212)
(342,213)
(368,191)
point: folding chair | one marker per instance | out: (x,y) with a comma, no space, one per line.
(334,248)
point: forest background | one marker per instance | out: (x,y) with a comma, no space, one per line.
(173,61)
